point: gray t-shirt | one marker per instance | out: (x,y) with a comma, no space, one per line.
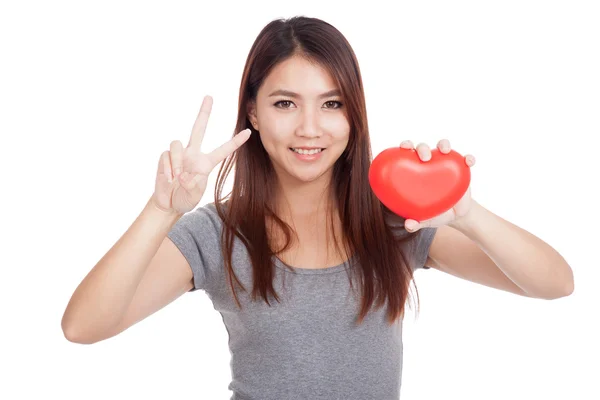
(307,346)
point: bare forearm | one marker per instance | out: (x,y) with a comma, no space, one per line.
(102,298)
(529,262)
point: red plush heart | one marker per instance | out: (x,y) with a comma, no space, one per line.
(418,189)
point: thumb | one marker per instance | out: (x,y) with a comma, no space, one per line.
(412,225)
(191,183)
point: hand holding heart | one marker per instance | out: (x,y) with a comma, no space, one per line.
(429,188)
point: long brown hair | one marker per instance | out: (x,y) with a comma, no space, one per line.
(367,235)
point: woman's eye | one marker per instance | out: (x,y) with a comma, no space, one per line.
(286,103)
(329,104)
(334,102)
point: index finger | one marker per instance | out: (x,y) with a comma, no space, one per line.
(221,152)
(201,121)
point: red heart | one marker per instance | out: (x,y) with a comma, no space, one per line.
(418,189)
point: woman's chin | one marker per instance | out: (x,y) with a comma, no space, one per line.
(304,173)
(307,176)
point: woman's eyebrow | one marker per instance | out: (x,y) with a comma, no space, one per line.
(282,92)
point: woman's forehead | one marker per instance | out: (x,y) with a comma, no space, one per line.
(297,77)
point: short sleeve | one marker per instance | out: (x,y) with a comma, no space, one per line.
(197,235)
(416,244)
(422,242)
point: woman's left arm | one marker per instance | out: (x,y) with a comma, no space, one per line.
(473,243)
(485,248)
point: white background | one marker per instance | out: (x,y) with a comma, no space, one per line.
(92,93)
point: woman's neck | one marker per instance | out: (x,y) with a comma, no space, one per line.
(311,211)
(308,200)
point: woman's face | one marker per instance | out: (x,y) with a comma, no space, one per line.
(301,120)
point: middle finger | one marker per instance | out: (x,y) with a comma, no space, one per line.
(424,151)
(200,123)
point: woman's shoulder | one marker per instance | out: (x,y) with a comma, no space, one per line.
(396,223)
(416,243)
(202,220)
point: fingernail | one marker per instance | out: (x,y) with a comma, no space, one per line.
(177,171)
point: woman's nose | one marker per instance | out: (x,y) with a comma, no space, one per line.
(309,124)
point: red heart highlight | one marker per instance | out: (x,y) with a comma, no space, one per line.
(418,189)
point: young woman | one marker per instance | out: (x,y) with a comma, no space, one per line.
(309,271)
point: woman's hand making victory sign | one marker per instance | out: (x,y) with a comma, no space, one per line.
(183,172)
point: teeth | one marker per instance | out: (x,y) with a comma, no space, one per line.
(307,152)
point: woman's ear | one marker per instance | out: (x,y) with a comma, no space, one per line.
(251,110)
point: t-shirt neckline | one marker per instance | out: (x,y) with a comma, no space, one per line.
(313,271)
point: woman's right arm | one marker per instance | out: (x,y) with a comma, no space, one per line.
(143,272)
